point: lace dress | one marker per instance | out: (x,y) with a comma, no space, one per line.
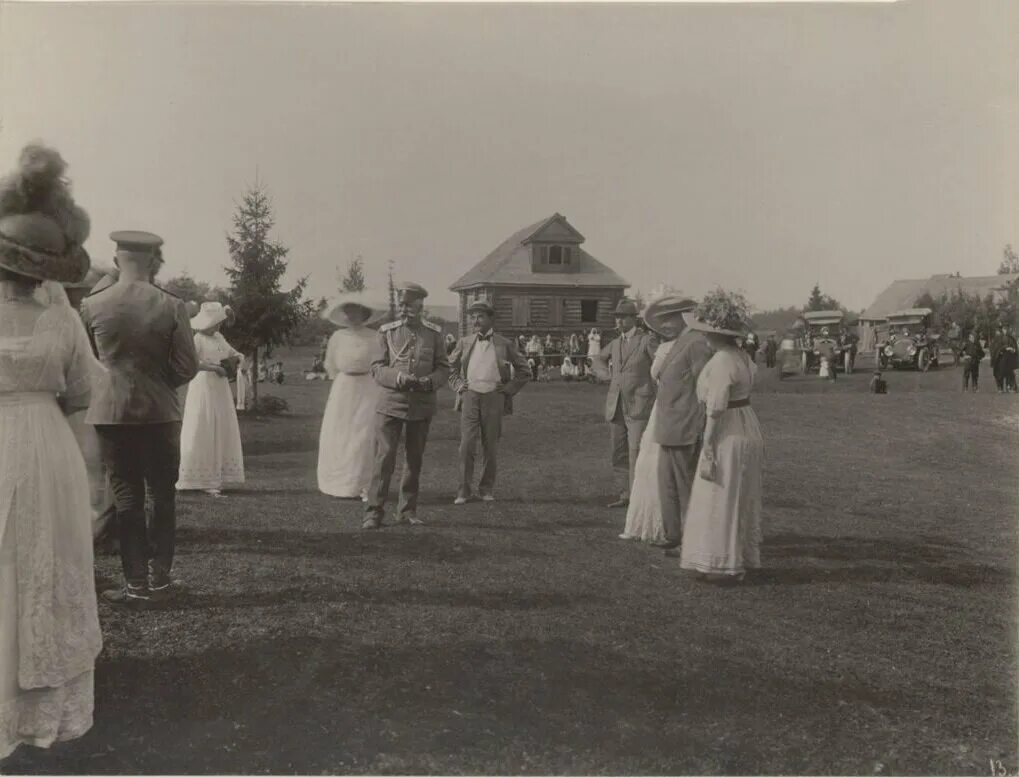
(722,535)
(210,437)
(49,627)
(644,513)
(348,425)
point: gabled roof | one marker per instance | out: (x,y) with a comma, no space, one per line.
(510,263)
(903,294)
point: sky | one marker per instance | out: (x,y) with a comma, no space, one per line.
(757,147)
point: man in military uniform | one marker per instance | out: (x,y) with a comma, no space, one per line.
(412,367)
(143,337)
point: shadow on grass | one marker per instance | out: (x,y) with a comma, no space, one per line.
(310,705)
(390,543)
(873,560)
(330,594)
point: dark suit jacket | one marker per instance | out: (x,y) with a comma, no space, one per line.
(680,417)
(143,337)
(630,384)
(513,369)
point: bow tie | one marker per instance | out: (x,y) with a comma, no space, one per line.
(485,338)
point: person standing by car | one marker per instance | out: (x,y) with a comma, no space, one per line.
(972,353)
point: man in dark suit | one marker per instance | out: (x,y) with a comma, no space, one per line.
(486,372)
(679,421)
(143,337)
(626,364)
(412,367)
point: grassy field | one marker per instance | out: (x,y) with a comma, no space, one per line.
(524,637)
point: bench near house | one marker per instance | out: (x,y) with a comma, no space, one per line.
(541,280)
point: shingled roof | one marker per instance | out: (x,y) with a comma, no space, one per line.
(510,264)
(904,293)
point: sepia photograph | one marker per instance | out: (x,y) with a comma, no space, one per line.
(509,388)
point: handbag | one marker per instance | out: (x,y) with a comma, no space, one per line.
(230,364)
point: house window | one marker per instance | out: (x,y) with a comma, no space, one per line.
(554,255)
(589,311)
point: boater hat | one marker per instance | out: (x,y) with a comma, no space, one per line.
(209,314)
(660,314)
(41,229)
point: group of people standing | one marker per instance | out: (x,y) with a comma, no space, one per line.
(686,443)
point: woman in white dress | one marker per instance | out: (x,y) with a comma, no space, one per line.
(210,438)
(593,343)
(348,425)
(644,513)
(49,627)
(722,536)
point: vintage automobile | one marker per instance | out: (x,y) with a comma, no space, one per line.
(826,332)
(909,343)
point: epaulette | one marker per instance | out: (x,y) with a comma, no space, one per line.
(430,325)
(390,326)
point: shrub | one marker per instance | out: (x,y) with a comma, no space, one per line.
(270,405)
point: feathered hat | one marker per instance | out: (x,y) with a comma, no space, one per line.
(42,231)
(723,312)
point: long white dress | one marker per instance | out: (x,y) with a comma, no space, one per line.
(210,438)
(49,627)
(348,425)
(644,513)
(723,523)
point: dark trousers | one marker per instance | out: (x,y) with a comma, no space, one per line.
(970,370)
(388,431)
(480,417)
(626,434)
(137,455)
(677,467)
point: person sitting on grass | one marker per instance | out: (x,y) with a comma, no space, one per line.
(878,385)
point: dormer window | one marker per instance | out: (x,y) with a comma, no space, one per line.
(551,255)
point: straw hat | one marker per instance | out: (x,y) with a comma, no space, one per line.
(345,305)
(209,314)
(660,314)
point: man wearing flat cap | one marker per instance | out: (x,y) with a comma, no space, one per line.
(626,363)
(679,421)
(412,367)
(143,337)
(486,371)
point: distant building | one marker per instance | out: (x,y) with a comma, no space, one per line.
(540,280)
(903,294)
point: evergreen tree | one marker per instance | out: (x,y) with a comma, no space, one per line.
(392,293)
(819,301)
(265,314)
(1009,261)
(354,279)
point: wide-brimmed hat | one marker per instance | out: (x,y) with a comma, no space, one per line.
(345,304)
(722,312)
(42,231)
(92,277)
(209,314)
(661,313)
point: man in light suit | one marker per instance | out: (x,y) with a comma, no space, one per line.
(679,422)
(626,364)
(486,372)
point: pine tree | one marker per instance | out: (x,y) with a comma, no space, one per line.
(354,279)
(392,293)
(819,301)
(265,314)
(1009,261)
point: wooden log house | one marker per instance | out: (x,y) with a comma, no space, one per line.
(541,281)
